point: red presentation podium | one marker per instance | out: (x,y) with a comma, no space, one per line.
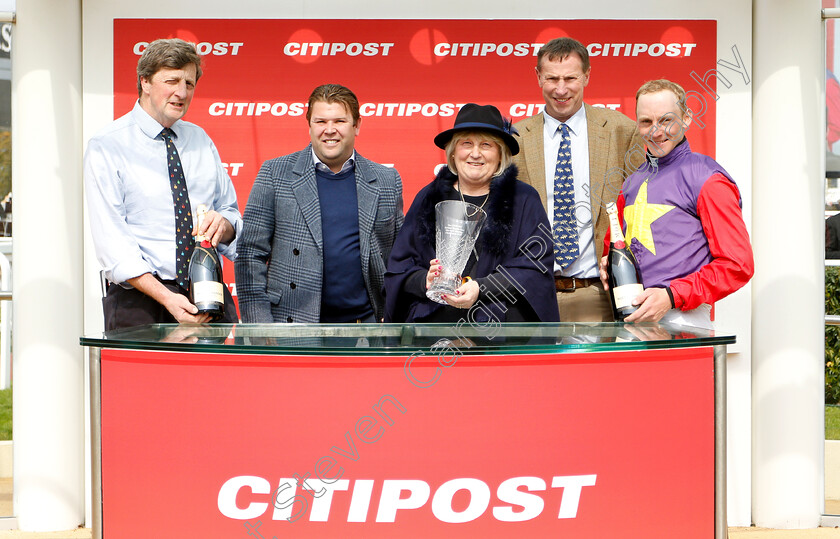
(367,431)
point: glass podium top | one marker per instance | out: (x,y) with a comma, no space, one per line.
(404,339)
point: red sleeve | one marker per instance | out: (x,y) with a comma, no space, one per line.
(732,258)
(619,204)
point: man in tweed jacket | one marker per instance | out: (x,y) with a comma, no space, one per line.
(605,149)
(319,225)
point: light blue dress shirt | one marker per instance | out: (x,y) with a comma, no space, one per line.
(586,264)
(130,200)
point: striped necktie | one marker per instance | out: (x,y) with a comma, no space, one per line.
(183,211)
(565,230)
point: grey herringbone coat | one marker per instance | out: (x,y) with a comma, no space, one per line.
(279,264)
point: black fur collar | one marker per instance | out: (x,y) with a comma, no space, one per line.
(496,231)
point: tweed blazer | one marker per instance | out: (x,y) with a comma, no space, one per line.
(615,151)
(279,267)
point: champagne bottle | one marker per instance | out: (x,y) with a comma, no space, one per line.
(206,286)
(625,279)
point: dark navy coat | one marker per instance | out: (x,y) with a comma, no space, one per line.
(515,236)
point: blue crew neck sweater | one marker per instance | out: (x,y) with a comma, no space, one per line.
(344,297)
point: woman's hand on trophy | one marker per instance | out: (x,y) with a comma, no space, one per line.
(465,296)
(434,270)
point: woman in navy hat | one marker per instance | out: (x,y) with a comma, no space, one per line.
(508,277)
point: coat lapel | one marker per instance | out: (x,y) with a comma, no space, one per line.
(599,147)
(367,194)
(306,194)
(535,156)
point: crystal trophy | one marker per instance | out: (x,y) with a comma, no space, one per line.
(457,225)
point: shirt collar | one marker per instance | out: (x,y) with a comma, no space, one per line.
(148,125)
(682,147)
(576,124)
(324,168)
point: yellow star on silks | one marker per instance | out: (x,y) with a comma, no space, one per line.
(641,215)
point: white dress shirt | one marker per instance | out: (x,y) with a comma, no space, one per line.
(585,266)
(130,200)
(320,165)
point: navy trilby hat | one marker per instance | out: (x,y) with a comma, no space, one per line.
(474,117)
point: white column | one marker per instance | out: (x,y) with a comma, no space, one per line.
(788,235)
(47,188)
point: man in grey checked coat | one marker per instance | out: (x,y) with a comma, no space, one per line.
(319,225)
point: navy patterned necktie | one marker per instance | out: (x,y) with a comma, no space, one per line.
(183,211)
(565,230)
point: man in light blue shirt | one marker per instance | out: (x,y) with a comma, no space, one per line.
(130,198)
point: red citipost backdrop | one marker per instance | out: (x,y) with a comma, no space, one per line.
(411,77)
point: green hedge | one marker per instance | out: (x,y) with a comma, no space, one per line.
(832,336)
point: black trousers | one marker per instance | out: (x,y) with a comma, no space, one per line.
(127,307)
